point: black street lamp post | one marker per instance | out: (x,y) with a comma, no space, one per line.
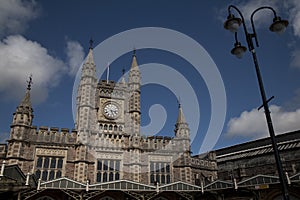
(232,24)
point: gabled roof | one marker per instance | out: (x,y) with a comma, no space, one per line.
(122,185)
(125,185)
(218,184)
(179,186)
(259,180)
(62,183)
(66,183)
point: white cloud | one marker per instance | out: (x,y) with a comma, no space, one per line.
(294,15)
(295,58)
(20,58)
(293,8)
(253,124)
(14,15)
(261,17)
(75,54)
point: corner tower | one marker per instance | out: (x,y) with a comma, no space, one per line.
(134,102)
(20,131)
(85,116)
(182,131)
(86,111)
(24,112)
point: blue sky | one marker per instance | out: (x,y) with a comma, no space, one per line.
(49,39)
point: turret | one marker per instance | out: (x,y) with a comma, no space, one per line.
(86,111)
(134,82)
(20,130)
(86,114)
(24,112)
(182,131)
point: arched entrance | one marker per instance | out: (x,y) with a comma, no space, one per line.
(107,198)
(45,198)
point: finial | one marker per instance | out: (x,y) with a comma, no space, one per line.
(107,72)
(29,82)
(179,102)
(91,43)
(123,71)
(134,51)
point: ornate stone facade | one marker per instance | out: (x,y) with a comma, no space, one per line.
(106,143)
(106,157)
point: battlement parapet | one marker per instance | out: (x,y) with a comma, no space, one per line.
(111,89)
(111,84)
(201,163)
(54,135)
(159,138)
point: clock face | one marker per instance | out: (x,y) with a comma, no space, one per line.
(111,111)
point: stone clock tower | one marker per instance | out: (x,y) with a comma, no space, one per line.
(118,104)
(111,100)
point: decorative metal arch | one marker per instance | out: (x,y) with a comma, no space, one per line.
(259,180)
(218,185)
(122,185)
(179,186)
(63,183)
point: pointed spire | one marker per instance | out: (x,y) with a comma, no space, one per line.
(24,111)
(26,102)
(29,82)
(91,43)
(123,76)
(181,127)
(134,52)
(134,73)
(90,57)
(134,62)
(180,118)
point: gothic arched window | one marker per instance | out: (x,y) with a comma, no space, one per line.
(117,176)
(58,174)
(38,174)
(98,177)
(51,175)
(45,175)
(53,162)
(111,176)
(39,162)
(60,163)
(46,162)
(105,177)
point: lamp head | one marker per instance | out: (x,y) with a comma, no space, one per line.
(278,25)
(238,50)
(232,23)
